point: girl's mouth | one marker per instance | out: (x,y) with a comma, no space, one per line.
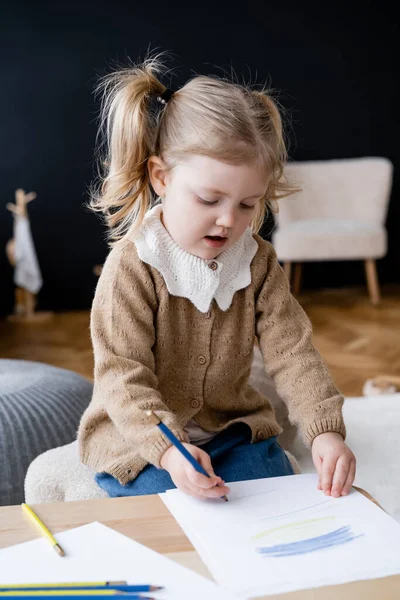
(215,241)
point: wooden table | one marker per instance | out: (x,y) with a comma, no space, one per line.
(147,520)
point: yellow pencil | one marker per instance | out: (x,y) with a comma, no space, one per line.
(64,592)
(42,528)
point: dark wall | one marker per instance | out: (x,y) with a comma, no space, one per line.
(335,69)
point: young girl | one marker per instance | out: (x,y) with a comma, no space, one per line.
(184,290)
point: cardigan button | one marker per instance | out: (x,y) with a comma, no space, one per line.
(208,314)
(213,265)
(260,435)
(195,403)
(202,360)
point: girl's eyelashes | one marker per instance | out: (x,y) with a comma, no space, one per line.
(214,202)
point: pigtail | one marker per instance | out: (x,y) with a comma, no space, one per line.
(269,121)
(128,127)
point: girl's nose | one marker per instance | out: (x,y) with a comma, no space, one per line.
(226,219)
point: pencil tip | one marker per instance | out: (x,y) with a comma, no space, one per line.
(224,498)
(59,550)
(155,588)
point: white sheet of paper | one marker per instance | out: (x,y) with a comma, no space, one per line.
(282,534)
(95,552)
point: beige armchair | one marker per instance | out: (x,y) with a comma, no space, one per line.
(339,214)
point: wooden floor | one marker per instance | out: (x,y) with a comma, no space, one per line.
(357,340)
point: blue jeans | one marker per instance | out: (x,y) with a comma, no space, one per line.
(233,457)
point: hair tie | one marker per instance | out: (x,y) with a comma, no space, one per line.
(165,96)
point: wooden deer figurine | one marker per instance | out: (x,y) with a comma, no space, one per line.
(21,255)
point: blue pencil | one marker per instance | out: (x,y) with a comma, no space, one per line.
(168,433)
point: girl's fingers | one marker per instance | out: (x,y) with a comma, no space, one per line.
(340,475)
(317,464)
(214,492)
(197,479)
(328,469)
(200,480)
(208,488)
(350,478)
(205,461)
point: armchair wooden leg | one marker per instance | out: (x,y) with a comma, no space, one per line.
(287,267)
(372,281)
(297,279)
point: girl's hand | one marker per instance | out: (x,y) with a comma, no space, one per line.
(187,479)
(335,464)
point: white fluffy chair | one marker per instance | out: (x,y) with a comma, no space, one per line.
(339,214)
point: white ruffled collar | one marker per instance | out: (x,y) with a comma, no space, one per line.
(189,276)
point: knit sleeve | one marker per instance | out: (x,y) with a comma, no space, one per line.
(123,335)
(300,375)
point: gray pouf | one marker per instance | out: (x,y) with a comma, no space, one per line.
(40,409)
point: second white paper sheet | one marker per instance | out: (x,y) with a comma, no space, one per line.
(95,552)
(282,534)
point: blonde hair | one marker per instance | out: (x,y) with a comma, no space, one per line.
(207,116)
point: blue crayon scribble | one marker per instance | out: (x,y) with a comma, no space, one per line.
(343,535)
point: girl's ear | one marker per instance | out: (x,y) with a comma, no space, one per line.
(157,175)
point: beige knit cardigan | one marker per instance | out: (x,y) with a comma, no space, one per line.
(154,350)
